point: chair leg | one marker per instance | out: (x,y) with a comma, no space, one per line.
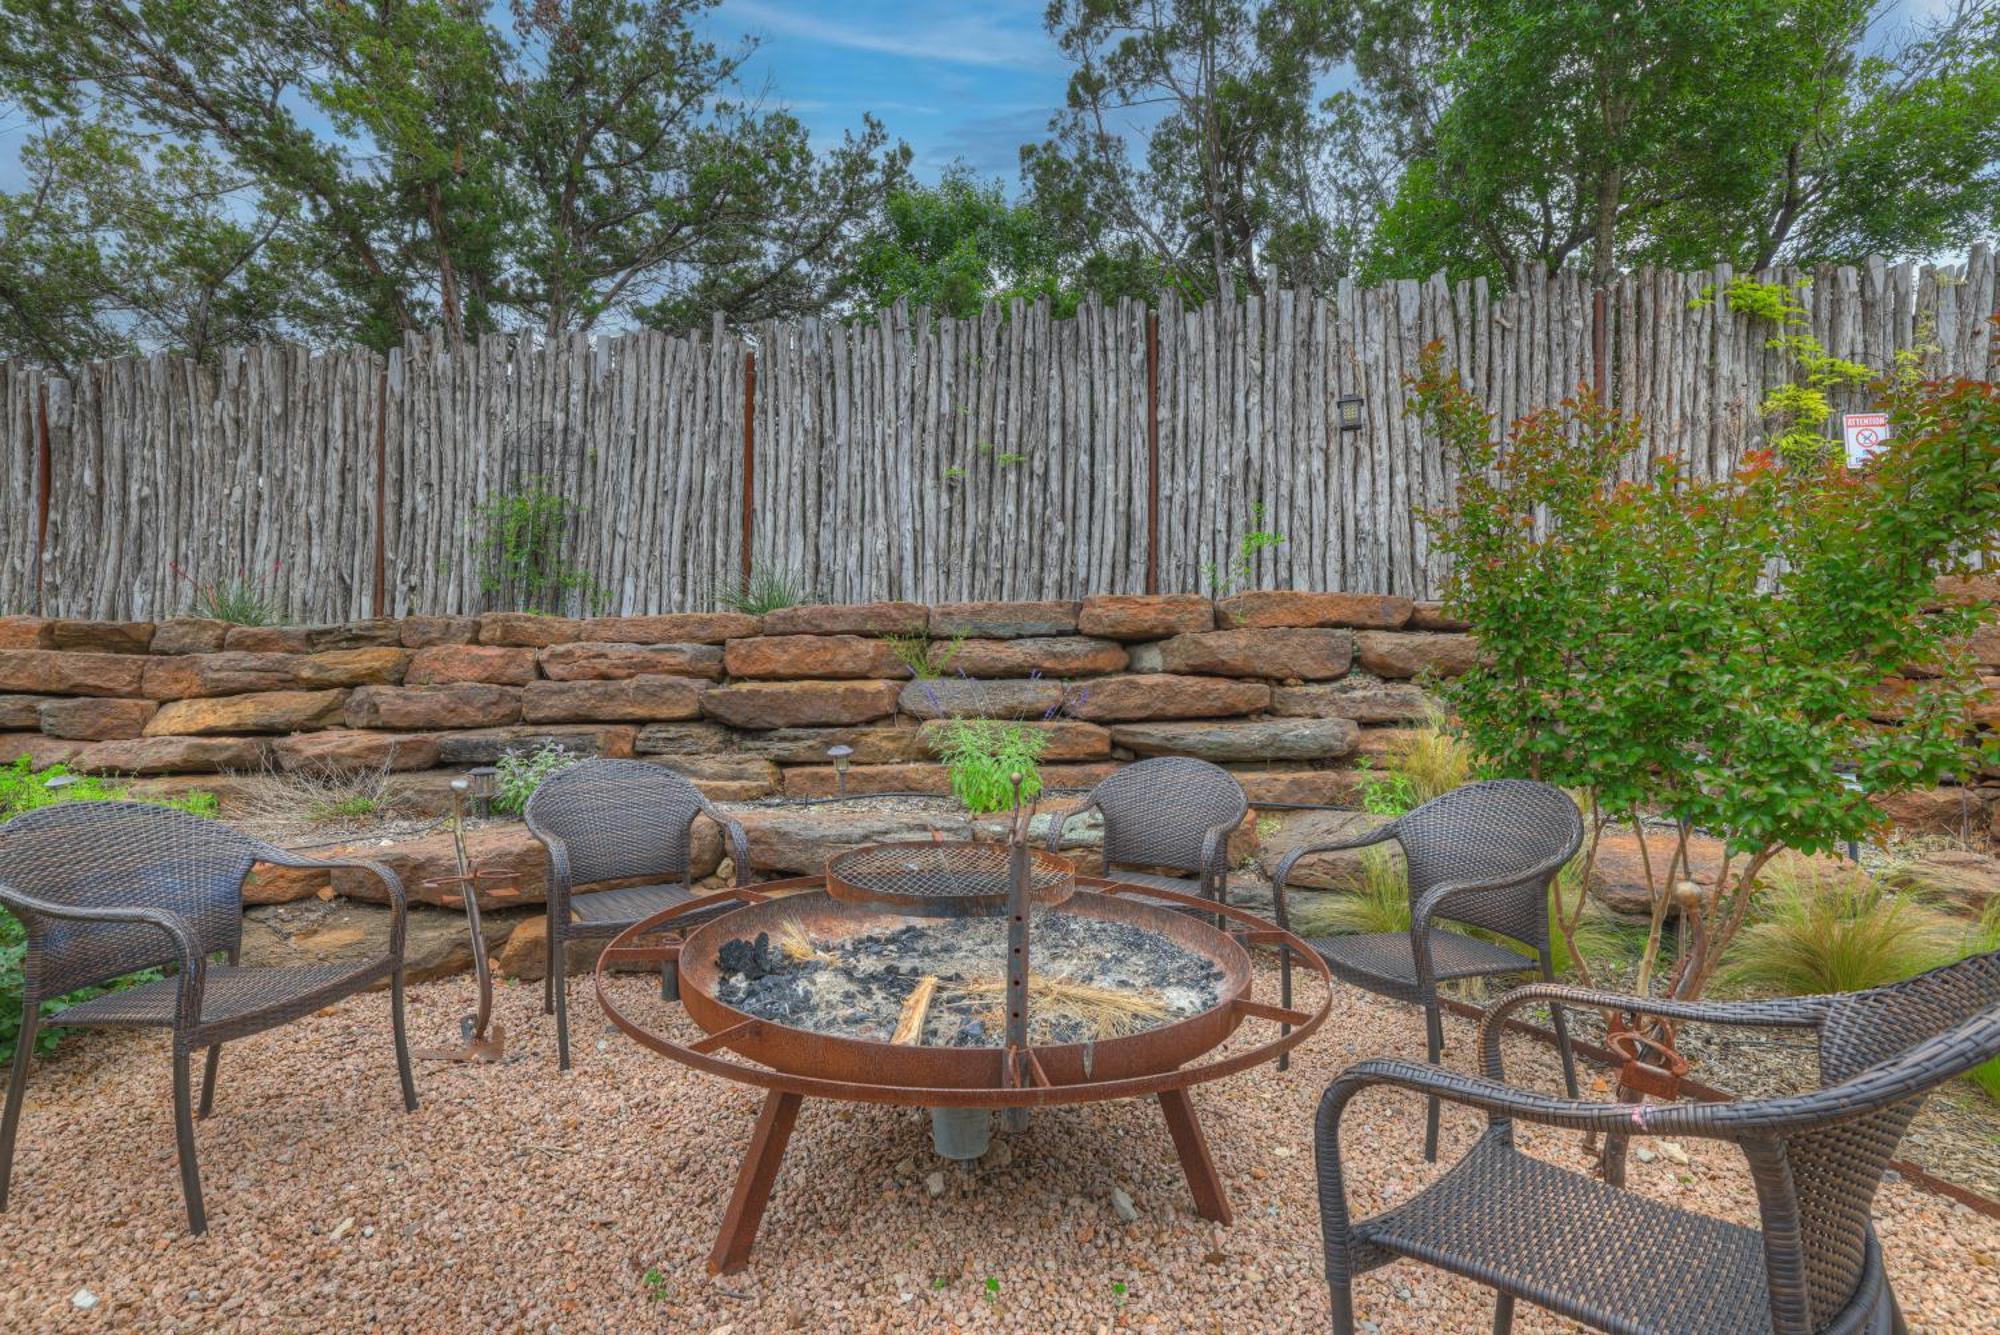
(17,1089)
(1557,1016)
(208,1080)
(558,964)
(402,1041)
(1343,1308)
(1285,999)
(549,944)
(670,981)
(1503,1313)
(1434,1042)
(184,1138)
(1897,1326)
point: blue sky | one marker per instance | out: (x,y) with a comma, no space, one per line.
(954,80)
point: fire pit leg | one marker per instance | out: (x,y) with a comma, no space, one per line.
(753,1183)
(1202,1179)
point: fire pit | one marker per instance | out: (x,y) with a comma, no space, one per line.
(841,986)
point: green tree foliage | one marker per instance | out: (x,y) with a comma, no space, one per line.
(588,157)
(1246,163)
(1717,650)
(956,246)
(1751,131)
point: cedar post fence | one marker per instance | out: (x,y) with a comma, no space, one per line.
(1010,455)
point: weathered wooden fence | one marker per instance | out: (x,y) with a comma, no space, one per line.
(1012,455)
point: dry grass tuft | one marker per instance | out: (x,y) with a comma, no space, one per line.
(1108,1012)
(318,794)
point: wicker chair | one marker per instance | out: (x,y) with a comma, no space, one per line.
(606,820)
(1482,855)
(1172,812)
(104,889)
(1622,1262)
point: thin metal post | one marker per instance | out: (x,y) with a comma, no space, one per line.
(1598,306)
(1152,451)
(381,607)
(44,478)
(749,458)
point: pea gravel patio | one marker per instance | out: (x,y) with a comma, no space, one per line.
(519,1198)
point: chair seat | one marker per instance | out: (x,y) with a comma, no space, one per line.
(621,908)
(1383,962)
(230,994)
(1600,1254)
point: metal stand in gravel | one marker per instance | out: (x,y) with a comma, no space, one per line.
(870,890)
(1619,1261)
(481,1039)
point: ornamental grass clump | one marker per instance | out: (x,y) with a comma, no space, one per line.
(1715,650)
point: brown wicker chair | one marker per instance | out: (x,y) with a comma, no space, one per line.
(104,889)
(1621,1262)
(1482,855)
(1170,811)
(608,820)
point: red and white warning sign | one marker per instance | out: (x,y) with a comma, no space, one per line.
(1866,434)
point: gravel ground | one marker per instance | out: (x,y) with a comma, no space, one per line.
(520,1198)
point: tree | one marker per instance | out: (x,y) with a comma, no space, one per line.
(1646,131)
(954,247)
(1245,164)
(586,160)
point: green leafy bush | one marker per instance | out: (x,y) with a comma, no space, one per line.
(1713,649)
(23,789)
(522,540)
(520,773)
(1242,569)
(1816,931)
(983,755)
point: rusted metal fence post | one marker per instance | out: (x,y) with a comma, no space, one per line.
(381,608)
(1598,305)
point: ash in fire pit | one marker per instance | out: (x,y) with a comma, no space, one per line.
(1093,979)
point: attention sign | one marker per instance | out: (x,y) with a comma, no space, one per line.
(1866,434)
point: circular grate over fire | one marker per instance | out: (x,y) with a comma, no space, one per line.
(945,880)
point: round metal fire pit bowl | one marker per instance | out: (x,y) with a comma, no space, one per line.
(810,1052)
(794,1064)
(944,880)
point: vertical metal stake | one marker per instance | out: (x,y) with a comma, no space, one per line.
(381,607)
(749,458)
(1016,1119)
(1597,337)
(1152,451)
(44,480)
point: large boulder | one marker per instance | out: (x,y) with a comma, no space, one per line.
(822,657)
(265,711)
(1270,739)
(17,632)
(824,780)
(1038,656)
(436,942)
(1281,832)
(488,664)
(1145,616)
(41,750)
(105,637)
(1966,881)
(1165,696)
(1306,654)
(669,628)
(635,700)
(353,750)
(1277,607)
(189,635)
(849,619)
(614,662)
(1393,654)
(419,708)
(797,840)
(683,739)
(485,746)
(46,672)
(381,632)
(1362,699)
(423,632)
(239,672)
(1003,621)
(964,697)
(172,755)
(95,718)
(799,704)
(22,712)
(1062,739)
(530,630)
(881,744)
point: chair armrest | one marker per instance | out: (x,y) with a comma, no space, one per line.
(1377,836)
(187,949)
(1779,1012)
(1059,821)
(1215,855)
(738,841)
(392,883)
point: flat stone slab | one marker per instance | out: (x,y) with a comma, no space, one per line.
(1274,739)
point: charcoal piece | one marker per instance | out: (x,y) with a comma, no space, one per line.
(753,960)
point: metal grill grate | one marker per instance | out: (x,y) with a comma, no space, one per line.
(944,879)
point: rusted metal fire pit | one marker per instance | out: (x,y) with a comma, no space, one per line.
(876,888)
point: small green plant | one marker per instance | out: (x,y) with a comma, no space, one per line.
(926,659)
(1009,459)
(1240,571)
(517,775)
(767,590)
(1429,761)
(1819,931)
(1118,1292)
(239,599)
(1379,904)
(522,540)
(992,1288)
(983,755)
(1799,411)
(954,473)
(656,1285)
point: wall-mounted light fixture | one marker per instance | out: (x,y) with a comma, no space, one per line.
(1350,411)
